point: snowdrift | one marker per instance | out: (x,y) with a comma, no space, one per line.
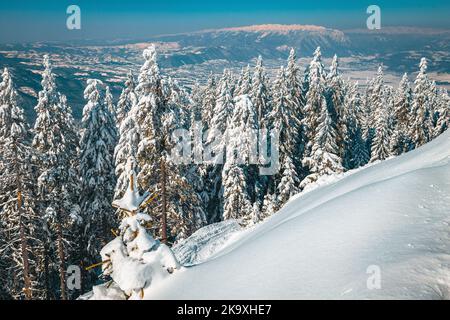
(389,220)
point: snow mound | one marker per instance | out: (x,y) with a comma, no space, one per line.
(134,261)
(205,242)
(380,232)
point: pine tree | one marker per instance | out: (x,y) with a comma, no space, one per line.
(241,135)
(289,183)
(98,137)
(195,104)
(197,173)
(381,109)
(256,214)
(236,202)
(126,149)
(420,122)
(356,152)
(209,101)
(223,108)
(444,114)
(324,158)
(56,143)
(296,99)
(367,126)
(160,111)
(179,102)
(127,99)
(315,98)
(19,222)
(435,102)
(359,152)
(283,119)
(216,141)
(336,94)
(269,206)
(133,261)
(260,93)
(244,85)
(109,102)
(400,141)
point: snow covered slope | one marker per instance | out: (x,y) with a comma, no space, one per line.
(394,215)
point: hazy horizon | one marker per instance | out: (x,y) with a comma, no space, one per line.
(32,21)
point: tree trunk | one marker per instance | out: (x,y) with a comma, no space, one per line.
(24,249)
(164,204)
(46,271)
(82,255)
(23,239)
(62,275)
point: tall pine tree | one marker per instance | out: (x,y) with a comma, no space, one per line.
(98,138)
(19,245)
(420,121)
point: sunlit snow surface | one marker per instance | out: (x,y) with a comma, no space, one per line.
(394,215)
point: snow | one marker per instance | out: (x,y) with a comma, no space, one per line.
(391,216)
(135,236)
(128,273)
(130,201)
(207,241)
(134,261)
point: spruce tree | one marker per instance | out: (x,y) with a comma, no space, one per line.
(223,111)
(260,93)
(295,90)
(20,224)
(261,97)
(244,85)
(109,102)
(324,158)
(269,206)
(420,122)
(127,99)
(56,144)
(236,202)
(356,153)
(315,98)
(177,212)
(381,108)
(336,93)
(241,135)
(98,138)
(444,114)
(126,149)
(400,141)
(289,183)
(283,119)
(208,101)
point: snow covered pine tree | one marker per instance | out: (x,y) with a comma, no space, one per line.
(19,245)
(56,145)
(98,138)
(134,260)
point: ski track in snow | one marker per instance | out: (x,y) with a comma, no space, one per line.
(394,214)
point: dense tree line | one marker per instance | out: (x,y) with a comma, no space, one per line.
(59,178)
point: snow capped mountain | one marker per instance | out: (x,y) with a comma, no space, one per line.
(203,52)
(269,40)
(388,221)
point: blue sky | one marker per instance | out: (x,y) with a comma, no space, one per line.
(44,20)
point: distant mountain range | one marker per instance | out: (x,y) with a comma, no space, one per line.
(192,56)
